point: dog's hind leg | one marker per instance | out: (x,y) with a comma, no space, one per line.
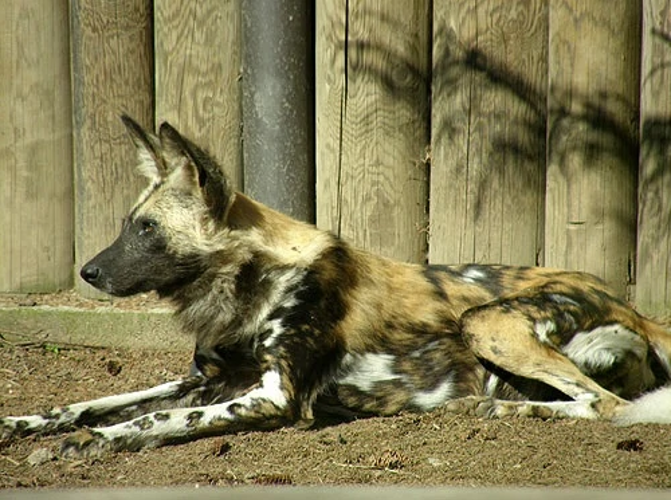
(522,336)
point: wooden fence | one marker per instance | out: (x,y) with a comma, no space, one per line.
(513,131)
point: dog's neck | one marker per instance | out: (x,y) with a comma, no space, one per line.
(260,257)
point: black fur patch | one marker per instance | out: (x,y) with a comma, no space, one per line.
(309,348)
(513,387)
(140,260)
(433,274)
(193,418)
(323,293)
(144,423)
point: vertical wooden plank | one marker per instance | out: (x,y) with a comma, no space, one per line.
(591,185)
(372,123)
(653,281)
(197,58)
(112,74)
(35,147)
(488,131)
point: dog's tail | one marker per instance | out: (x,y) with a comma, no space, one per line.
(653,407)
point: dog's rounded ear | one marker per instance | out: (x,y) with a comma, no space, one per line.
(195,168)
(151,162)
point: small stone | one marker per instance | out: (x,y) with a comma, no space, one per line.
(40,456)
(221,447)
(113,367)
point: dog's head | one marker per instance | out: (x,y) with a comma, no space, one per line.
(165,239)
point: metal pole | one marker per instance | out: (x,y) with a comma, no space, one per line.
(278,103)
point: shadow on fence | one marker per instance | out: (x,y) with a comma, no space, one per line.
(655,156)
(549,125)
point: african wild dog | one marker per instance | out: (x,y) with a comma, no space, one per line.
(288,318)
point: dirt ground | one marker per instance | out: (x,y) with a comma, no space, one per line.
(436,448)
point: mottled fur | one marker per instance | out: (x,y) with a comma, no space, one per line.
(288,318)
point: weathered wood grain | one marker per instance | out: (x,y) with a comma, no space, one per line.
(36,221)
(488,131)
(197,62)
(653,277)
(372,123)
(591,194)
(112,66)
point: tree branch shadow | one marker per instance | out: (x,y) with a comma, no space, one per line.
(550,127)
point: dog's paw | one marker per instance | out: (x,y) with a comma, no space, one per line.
(85,444)
(496,408)
(469,405)
(14,427)
(487,407)
(7,429)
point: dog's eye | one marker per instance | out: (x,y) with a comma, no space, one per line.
(148,226)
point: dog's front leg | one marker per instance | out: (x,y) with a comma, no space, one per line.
(96,411)
(265,406)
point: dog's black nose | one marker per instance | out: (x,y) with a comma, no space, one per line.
(90,273)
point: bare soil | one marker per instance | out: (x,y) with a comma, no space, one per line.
(435,448)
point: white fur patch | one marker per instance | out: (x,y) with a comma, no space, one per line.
(147,165)
(368,369)
(275,331)
(270,389)
(422,351)
(492,384)
(102,405)
(562,299)
(654,407)
(277,297)
(600,348)
(473,275)
(428,400)
(544,329)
